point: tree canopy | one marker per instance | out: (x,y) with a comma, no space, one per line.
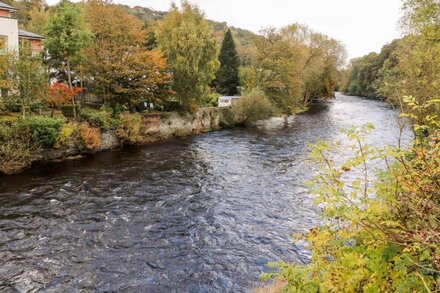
(119,68)
(191,52)
(293,65)
(227,80)
(66,34)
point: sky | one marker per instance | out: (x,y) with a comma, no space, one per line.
(363,26)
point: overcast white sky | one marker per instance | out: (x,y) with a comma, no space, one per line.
(362,25)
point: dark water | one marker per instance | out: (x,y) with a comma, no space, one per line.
(203,214)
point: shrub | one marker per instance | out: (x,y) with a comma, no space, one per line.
(98,118)
(226,117)
(42,130)
(16,151)
(13,107)
(67,110)
(90,137)
(172,106)
(382,234)
(211,100)
(67,136)
(130,129)
(252,107)
(17,107)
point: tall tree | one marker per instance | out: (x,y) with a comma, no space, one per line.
(38,18)
(119,66)
(278,70)
(227,80)
(294,64)
(66,34)
(191,51)
(28,77)
(24,10)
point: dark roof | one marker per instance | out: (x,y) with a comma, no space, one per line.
(7,7)
(29,35)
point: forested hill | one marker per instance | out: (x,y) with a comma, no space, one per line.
(243,38)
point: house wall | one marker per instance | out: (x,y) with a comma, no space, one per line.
(36,45)
(9,28)
(4,13)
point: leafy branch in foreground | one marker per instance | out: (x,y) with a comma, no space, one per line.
(383,231)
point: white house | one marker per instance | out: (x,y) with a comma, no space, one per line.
(227,101)
(11,36)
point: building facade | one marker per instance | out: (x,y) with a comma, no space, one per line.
(11,36)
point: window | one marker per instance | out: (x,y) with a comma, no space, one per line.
(3,44)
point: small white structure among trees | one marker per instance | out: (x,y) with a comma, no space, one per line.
(227,101)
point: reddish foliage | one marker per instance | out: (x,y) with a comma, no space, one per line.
(61,94)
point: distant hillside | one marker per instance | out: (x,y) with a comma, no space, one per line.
(243,38)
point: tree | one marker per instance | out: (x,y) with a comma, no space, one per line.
(406,67)
(28,77)
(278,70)
(119,66)
(382,234)
(24,10)
(293,65)
(191,51)
(60,94)
(319,58)
(417,71)
(38,18)
(66,34)
(227,80)
(5,81)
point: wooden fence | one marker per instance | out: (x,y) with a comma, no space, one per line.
(85,98)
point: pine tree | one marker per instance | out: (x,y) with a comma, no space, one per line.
(227,81)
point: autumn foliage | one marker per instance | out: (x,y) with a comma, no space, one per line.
(61,94)
(90,137)
(123,71)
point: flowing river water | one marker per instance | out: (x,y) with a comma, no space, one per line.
(201,214)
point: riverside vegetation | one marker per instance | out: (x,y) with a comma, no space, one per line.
(383,229)
(127,60)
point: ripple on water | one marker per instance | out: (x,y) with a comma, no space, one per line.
(204,214)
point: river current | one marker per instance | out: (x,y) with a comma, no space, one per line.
(201,214)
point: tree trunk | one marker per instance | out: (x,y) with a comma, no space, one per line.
(69,78)
(306,99)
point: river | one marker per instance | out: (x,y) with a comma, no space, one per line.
(201,214)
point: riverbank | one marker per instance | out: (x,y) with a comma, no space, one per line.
(205,213)
(151,128)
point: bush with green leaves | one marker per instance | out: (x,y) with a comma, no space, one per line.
(17,151)
(98,118)
(41,130)
(226,117)
(383,232)
(129,130)
(68,136)
(253,106)
(210,100)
